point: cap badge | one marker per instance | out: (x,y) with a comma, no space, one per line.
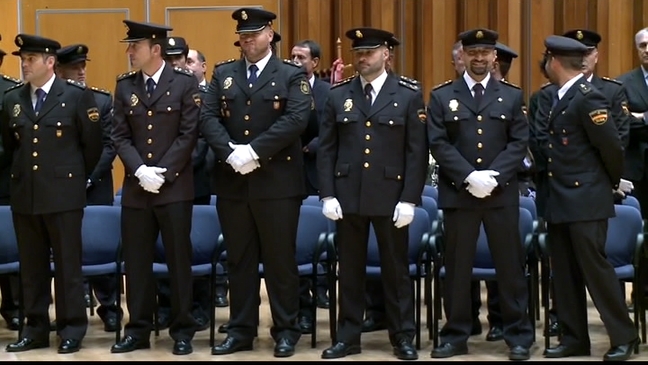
(172,42)
(244,15)
(19,40)
(579,35)
(358,34)
(479,34)
(80,49)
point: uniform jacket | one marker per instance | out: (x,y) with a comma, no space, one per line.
(101,190)
(6,82)
(637,93)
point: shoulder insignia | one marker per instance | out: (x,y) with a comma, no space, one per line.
(343,81)
(290,62)
(599,116)
(545,85)
(76,83)
(408,85)
(183,71)
(11,79)
(612,80)
(203,88)
(126,75)
(410,81)
(225,62)
(509,84)
(442,84)
(14,87)
(584,88)
(99,90)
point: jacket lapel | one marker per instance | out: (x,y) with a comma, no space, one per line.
(139,90)
(52,98)
(240,77)
(490,94)
(564,101)
(640,84)
(164,83)
(266,75)
(385,96)
(26,103)
(357,95)
(462,93)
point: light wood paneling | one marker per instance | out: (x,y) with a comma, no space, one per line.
(8,29)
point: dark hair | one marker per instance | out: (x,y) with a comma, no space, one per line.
(201,56)
(313,47)
(504,67)
(574,63)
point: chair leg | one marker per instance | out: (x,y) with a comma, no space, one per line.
(155,314)
(417,308)
(120,288)
(333,302)
(212,306)
(21,305)
(313,308)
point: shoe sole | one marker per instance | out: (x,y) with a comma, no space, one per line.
(401,357)
(352,351)
(68,351)
(519,357)
(41,346)
(445,356)
(139,347)
(180,353)
(244,348)
(495,339)
(284,354)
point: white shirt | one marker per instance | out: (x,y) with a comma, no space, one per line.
(46,88)
(261,64)
(311,81)
(156,75)
(568,84)
(589,79)
(203,82)
(376,85)
(471,82)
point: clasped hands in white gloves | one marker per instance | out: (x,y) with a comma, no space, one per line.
(403,214)
(331,208)
(150,178)
(481,183)
(625,188)
(243,159)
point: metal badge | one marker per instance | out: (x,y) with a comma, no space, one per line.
(276,105)
(59,133)
(348,105)
(16,110)
(453,105)
(134,99)
(227,83)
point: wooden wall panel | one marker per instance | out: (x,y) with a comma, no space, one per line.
(9,27)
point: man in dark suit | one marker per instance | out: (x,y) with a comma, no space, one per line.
(254,112)
(371,165)
(155,132)
(99,186)
(50,128)
(585,160)
(8,285)
(478,135)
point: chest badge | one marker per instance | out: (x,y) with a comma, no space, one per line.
(227,83)
(348,105)
(134,99)
(453,105)
(16,110)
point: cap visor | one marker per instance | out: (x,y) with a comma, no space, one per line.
(367,47)
(480,45)
(131,40)
(250,29)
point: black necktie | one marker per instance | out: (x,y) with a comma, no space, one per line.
(40,99)
(253,74)
(555,100)
(367,91)
(150,86)
(478,89)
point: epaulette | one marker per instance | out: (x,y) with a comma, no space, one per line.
(14,80)
(545,85)
(612,80)
(509,84)
(126,75)
(203,88)
(343,81)
(442,84)
(291,62)
(102,91)
(76,83)
(13,87)
(183,71)
(225,62)
(411,81)
(584,88)
(408,85)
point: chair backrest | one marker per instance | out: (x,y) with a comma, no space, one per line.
(631,201)
(419,226)
(312,225)
(312,200)
(212,200)
(622,233)
(100,234)
(431,191)
(117,200)
(430,205)
(119,192)
(529,204)
(483,258)
(8,241)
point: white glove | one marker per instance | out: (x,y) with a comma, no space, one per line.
(403,214)
(481,182)
(242,154)
(150,177)
(248,167)
(626,186)
(478,192)
(331,208)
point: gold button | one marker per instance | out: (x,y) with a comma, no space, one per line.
(248,102)
(503,116)
(550,145)
(149,113)
(338,173)
(551,132)
(576,183)
(223,97)
(35,167)
(479,160)
(70,174)
(168,108)
(149,141)
(35,140)
(456,117)
(345,119)
(367,151)
(130,112)
(366,165)
(247,117)
(479,131)
(58,124)
(549,159)
(276,97)
(479,118)
(564,131)
(149,155)
(149,127)
(398,177)
(177,174)
(368,124)
(35,127)
(246,132)
(35,154)
(479,145)
(367,137)
(391,122)
(550,174)
(288,158)
(168,93)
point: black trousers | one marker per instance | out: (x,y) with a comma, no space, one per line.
(261,231)
(40,237)
(140,229)
(461,234)
(375,300)
(494,316)
(352,238)
(578,261)
(105,290)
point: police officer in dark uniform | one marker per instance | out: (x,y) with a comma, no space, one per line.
(372,162)
(155,132)
(50,128)
(8,285)
(478,134)
(99,186)
(579,125)
(252,117)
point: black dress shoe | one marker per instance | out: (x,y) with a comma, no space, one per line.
(554,328)
(448,350)
(182,347)
(519,353)
(305,325)
(221,301)
(284,348)
(162,322)
(128,344)
(371,325)
(404,350)
(495,333)
(223,327)
(231,345)
(322,300)
(565,351)
(68,346)
(621,352)
(341,349)
(110,324)
(26,344)
(13,324)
